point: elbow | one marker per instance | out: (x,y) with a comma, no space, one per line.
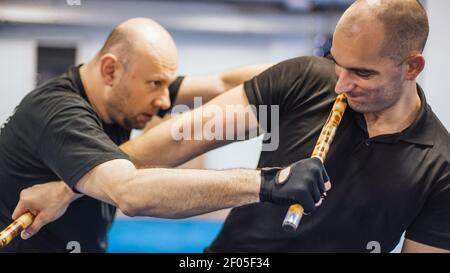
(128,209)
(126,202)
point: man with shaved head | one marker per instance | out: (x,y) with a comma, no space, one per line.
(390,161)
(69,129)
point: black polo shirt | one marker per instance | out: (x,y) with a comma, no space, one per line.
(381,186)
(54,134)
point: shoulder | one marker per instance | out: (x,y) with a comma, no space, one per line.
(53,102)
(51,99)
(442,143)
(306,73)
(439,158)
(297,72)
(317,65)
(441,136)
(292,82)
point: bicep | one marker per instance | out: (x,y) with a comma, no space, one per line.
(105,181)
(230,112)
(410,246)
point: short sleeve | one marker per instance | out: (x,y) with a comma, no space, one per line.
(432,225)
(73,142)
(289,84)
(270,87)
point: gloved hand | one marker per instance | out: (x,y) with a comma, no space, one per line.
(303,182)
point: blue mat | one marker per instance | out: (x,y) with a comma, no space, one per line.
(149,235)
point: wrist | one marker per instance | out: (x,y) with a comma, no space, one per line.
(268,176)
(69,194)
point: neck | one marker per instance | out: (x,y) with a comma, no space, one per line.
(90,77)
(397,117)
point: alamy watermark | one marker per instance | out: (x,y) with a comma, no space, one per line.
(229,123)
(73,2)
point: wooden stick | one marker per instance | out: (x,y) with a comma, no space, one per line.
(295,212)
(15,228)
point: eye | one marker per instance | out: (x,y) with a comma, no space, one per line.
(155,83)
(364,74)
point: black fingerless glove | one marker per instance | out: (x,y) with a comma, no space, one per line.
(303,182)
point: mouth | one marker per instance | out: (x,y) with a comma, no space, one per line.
(146,117)
(354,97)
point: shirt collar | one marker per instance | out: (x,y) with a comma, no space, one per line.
(422,130)
(74,72)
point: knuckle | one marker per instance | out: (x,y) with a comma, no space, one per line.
(23,194)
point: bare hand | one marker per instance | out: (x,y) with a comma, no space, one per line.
(46,201)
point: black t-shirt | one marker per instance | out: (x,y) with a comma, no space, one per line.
(381,186)
(54,134)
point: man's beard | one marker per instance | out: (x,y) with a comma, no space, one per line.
(375,105)
(117,107)
(131,123)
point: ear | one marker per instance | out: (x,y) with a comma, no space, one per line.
(108,68)
(415,65)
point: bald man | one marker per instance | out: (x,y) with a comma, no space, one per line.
(70,127)
(390,161)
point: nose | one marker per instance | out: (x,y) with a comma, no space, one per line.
(345,82)
(163,100)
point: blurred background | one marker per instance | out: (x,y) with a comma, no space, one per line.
(39,39)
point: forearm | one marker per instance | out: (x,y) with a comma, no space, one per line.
(183,193)
(169,193)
